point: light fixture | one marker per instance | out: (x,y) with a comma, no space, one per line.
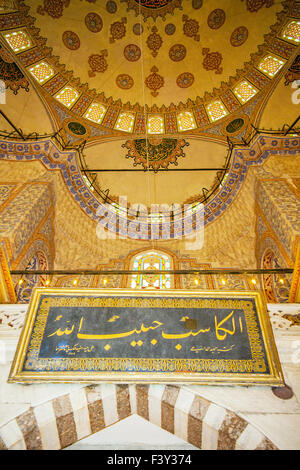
(75,282)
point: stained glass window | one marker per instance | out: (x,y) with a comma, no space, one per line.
(186,121)
(271,65)
(151,260)
(292,32)
(95,112)
(41,72)
(18,40)
(216,110)
(125,122)
(244,91)
(67,96)
(155,125)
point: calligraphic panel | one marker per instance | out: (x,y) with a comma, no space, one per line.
(119,335)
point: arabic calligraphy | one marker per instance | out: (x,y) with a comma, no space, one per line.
(212,350)
(222,328)
(146,333)
(74,349)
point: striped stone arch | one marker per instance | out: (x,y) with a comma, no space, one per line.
(64,420)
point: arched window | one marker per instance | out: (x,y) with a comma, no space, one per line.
(152,260)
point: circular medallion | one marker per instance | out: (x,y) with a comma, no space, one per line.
(93,22)
(124,81)
(185,80)
(216,18)
(177,52)
(111,6)
(132,52)
(137,29)
(71,40)
(76,128)
(170,29)
(239,36)
(196,4)
(235,125)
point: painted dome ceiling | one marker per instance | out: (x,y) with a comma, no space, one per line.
(171,52)
(155,66)
(151,85)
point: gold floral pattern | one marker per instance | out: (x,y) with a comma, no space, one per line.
(255,5)
(71,40)
(93,22)
(155,152)
(117,30)
(216,18)
(239,36)
(153,8)
(132,52)
(154,41)
(212,60)
(177,52)
(124,81)
(190,27)
(154,81)
(53,8)
(97,63)
(185,80)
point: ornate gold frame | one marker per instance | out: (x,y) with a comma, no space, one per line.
(272,378)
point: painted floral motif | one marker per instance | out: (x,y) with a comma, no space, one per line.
(71,40)
(191,27)
(255,5)
(124,81)
(154,41)
(153,8)
(93,22)
(97,63)
(239,36)
(155,153)
(10,73)
(170,29)
(132,52)
(154,81)
(196,4)
(137,29)
(117,30)
(177,52)
(153,3)
(212,61)
(216,18)
(185,80)
(111,6)
(53,8)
